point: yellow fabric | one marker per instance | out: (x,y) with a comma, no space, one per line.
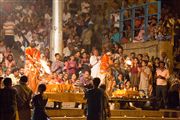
(17,115)
(65,97)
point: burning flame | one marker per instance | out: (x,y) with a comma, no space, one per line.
(128,62)
(45,67)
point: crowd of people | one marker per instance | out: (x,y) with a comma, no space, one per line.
(85,24)
(113,67)
(156,29)
(91,49)
(21,22)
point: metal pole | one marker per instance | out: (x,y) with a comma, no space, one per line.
(159,10)
(132,22)
(57,33)
(121,22)
(146,18)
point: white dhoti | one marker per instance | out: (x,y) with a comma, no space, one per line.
(95,63)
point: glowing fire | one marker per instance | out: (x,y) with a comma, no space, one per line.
(128,62)
(45,67)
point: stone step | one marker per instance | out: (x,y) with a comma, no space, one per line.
(119,113)
(116,118)
(65,112)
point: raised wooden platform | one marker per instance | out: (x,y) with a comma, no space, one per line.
(65,97)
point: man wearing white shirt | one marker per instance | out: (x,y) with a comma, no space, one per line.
(66,16)
(14,76)
(67,51)
(29,36)
(162,75)
(18,37)
(95,64)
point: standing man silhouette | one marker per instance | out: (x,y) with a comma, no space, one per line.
(95,98)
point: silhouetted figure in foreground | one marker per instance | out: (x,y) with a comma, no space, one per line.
(39,102)
(8,104)
(95,98)
(106,107)
(23,99)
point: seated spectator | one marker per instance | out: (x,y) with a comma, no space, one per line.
(115,19)
(7,52)
(1,58)
(86,36)
(18,37)
(67,50)
(57,65)
(60,78)
(7,72)
(2,46)
(85,61)
(14,76)
(21,71)
(72,65)
(85,7)
(85,79)
(10,62)
(65,77)
(72,79)
(120,83)
(115,38)
(53,79)
(140,36)
(66,16)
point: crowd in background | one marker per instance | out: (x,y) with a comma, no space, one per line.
(85,23)
(130,72)
(86,34)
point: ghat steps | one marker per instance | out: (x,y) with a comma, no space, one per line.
(77,114)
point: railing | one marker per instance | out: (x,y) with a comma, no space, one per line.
(146,16)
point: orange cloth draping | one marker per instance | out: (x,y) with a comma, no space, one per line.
(59,87)
(65,97)
(32,53)
(104,63)
(32,57)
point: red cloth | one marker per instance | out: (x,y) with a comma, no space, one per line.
(134,70)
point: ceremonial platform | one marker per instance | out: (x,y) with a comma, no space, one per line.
(67,110)
(78,114)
